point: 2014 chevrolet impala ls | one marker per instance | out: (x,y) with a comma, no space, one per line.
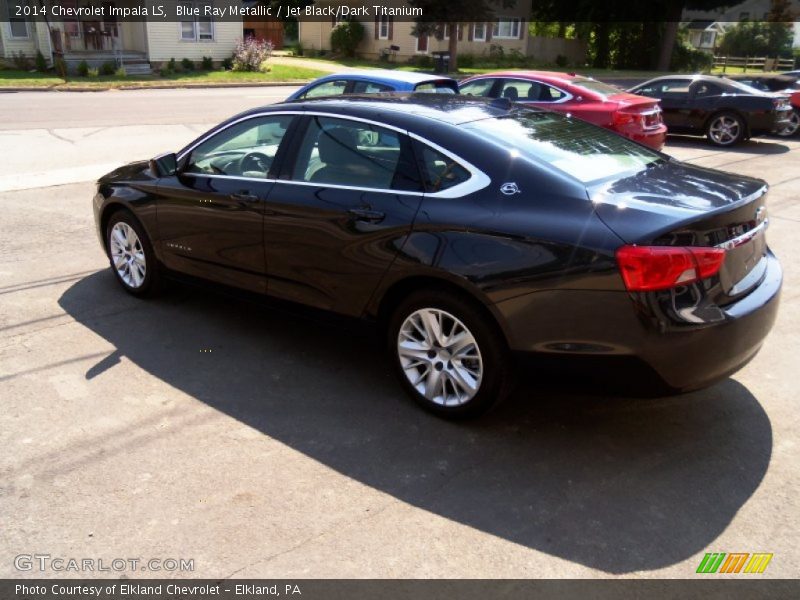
(468,228)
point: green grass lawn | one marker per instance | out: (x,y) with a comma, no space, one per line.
(279,73)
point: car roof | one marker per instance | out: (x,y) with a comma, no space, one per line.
(398,109)
(383,76)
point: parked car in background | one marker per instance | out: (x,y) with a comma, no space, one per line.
(635,117)
(725,111)
(786,85)
(467,229)
(792,73)
(374,81)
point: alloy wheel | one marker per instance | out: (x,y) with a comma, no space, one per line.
(792,127)
(440,357)
(725,130)
(127,255)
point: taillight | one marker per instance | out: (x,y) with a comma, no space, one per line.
(646,118)
(649,268)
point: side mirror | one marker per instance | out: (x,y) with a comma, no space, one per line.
(164,165)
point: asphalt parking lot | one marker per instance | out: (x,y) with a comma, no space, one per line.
(261,443)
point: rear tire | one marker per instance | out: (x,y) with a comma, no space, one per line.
(449,354)
(726,129)
(131,255)
(794,125)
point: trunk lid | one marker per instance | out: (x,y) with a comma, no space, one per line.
(675,204)
(646,109)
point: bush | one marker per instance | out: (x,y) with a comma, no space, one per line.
(187,64)
(108,68)
(165,71)
(466,61)
(121,72)
(688,58)
(173,66)
(21,62)
(41,62)
(561,61)
(423,61)
(250,53)
(83,68)
(208,63)
(227,63)
(346,37)
(265,67)
(93,72)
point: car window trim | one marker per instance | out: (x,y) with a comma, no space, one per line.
(478,179)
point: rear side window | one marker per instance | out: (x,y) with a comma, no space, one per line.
(370,87)
(439,171)
(480,87)
(665,88)
(530,91)
(329,88)
(353,153)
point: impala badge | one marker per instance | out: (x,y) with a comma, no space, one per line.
(509,189)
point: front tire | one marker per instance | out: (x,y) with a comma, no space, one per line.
(726,129)
(131,255)
(449,354)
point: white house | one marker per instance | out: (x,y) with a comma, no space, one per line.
(138,45)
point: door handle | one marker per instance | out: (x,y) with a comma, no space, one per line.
(366,214)
(244,196)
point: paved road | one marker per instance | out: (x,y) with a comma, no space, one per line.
(266,444)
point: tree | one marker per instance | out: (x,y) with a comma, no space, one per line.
(438,13)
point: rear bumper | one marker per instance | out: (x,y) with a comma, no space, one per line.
(653,138)
(608,324)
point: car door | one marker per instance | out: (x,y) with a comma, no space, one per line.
(675,100)
(211,213)
(704,99)
(340,211)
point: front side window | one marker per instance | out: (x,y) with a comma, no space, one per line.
(583,151)
(246,149)
(328,88)
(702,88)
(353,153)
(506,28)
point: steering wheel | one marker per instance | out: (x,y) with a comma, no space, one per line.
(255,161)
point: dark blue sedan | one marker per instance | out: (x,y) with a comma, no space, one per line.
(373,81)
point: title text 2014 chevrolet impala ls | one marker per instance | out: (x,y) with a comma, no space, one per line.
(468,228)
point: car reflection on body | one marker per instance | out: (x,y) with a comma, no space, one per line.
(468,229)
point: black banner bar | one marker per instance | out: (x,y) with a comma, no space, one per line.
(706,587)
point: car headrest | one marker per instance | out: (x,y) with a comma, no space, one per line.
(511,93)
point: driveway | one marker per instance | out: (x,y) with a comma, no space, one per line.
(275,443)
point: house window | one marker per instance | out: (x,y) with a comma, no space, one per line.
(197,29)
(479,33)
(383,28)
(707,40)
(446,35)
(18,27)
(506,29)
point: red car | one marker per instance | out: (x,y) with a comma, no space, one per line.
(635,117)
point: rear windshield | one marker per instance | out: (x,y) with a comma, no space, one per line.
(437,87)
(595,86)
(583,151)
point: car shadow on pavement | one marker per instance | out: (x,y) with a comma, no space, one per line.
(617,484)
(762,145)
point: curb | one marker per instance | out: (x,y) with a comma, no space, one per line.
(133,86)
